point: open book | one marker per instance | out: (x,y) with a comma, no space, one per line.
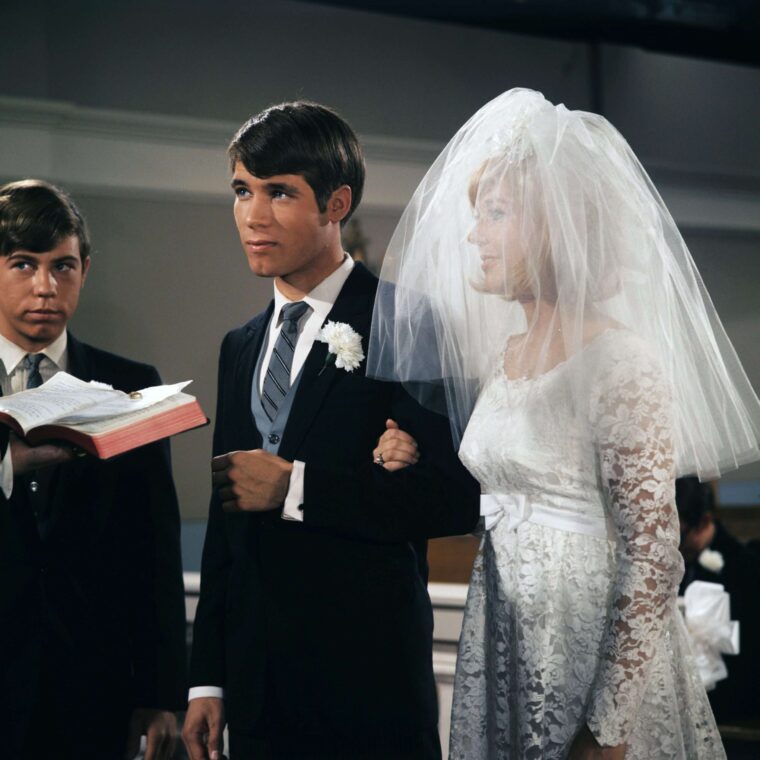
(103,421)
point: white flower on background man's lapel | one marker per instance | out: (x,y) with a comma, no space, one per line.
(344,346)
(711,560)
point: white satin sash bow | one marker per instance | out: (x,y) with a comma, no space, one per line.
(565,514)
(711,630)
(494,506)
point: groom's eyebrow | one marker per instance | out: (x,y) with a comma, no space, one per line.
(270,187)
(282,187)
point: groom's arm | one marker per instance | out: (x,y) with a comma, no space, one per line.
(435,497)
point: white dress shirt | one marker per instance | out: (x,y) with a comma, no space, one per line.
(13,378)
(321,299)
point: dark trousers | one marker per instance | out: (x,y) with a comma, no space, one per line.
(422,746)
(57,731)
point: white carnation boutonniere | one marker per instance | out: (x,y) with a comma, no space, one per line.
(711,560)
(344,346)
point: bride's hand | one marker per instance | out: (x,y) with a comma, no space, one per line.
(395,449)
(586,747)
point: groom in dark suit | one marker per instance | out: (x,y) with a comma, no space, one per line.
(91,596)
(314,626)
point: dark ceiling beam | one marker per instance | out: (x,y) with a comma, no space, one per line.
(720,29)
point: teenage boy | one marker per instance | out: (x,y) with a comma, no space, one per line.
(314,627)
(91,595)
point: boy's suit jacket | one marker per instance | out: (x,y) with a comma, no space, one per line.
(91,593)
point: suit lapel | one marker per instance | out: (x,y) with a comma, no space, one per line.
(353,306)
(245,366)
(78,360)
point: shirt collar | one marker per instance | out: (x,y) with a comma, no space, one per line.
(11,354)
(322,298)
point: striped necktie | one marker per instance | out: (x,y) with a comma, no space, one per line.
(33,376)
(277,380)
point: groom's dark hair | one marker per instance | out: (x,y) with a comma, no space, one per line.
(302,138)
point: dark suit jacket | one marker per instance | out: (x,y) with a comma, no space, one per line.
(92,603)
(738,696)
(324,627)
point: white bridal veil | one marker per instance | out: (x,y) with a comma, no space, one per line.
(535,231)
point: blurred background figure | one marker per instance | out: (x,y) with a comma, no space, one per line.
(712,554)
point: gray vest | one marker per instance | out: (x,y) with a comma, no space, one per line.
(271,432)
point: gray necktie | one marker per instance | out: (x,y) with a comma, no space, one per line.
(33,376)
(277,380)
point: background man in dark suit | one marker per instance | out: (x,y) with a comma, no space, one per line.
(737,569)
(314,623)
(91,595)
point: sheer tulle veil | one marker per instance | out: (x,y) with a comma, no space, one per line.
(532,203)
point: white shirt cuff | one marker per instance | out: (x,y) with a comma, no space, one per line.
(205,691)
(293,501)
(6,473)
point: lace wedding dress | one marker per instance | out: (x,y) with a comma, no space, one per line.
(571,615)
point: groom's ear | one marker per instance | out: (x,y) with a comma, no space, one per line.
(339,203)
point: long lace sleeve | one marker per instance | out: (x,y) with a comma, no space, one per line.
(630,413)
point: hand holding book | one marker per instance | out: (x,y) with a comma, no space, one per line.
(26,458)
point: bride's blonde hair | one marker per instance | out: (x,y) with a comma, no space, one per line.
(535,275)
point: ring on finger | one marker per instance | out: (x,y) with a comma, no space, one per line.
(379,459)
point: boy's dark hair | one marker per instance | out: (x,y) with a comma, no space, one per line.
(693,500)
(302,138)
(36,216)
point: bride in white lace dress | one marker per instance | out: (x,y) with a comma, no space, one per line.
(571,618)
(584,369)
